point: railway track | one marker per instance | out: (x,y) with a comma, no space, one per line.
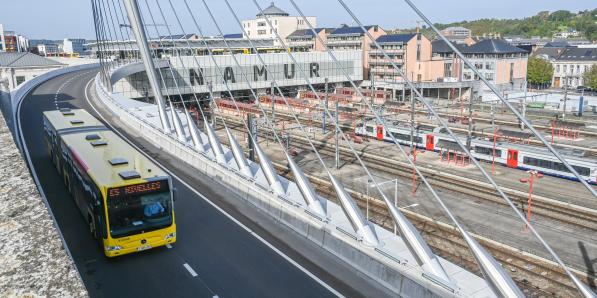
(538,277)
(554,209)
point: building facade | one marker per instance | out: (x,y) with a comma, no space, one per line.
(569,67)
(456,32)
(304,40)
(73,46)
(412,53)
(348,38)
(498,62)
(49,49)
(282,23)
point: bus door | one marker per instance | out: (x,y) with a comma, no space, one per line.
(512,158)
(380,132)
(429,143)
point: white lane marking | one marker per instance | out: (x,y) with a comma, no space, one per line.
(168,246)
(277,251)
(191,271)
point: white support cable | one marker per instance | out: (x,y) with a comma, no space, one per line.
(340,191)
(215,147)
(505,101)
(313,202)
(479,255)
(581,287)
(265,163)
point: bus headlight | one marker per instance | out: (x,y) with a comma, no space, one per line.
(170,235)
(113,248)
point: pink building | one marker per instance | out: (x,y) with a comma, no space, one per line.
(411,53)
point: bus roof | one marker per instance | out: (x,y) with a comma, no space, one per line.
(110,164)
(108,159)
(67,118)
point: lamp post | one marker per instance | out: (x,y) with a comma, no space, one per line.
(533,175)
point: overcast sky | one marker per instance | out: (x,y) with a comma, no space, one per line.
(58,19)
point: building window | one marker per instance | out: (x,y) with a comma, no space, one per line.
(261,32)
(565,68)
(20,80)
(558,68)
(261,24)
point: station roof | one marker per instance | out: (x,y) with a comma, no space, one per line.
(515,134)
(233,35)
(571,124)
(449,145)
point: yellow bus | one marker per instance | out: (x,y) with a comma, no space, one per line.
(126,200)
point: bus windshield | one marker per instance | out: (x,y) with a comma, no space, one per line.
(134,209)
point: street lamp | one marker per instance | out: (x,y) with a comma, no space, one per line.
(532,176)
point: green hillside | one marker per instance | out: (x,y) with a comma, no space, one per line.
(544,24)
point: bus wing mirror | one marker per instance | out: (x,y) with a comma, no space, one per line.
(174,194)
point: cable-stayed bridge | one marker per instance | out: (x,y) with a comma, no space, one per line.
(163,93)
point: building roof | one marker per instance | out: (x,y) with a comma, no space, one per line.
(15,60)
(233,35)
(578,54)
(272,10)
(178,36)
(557,44)
(549,53)
(492,46)
(348,30)
(439,46)
(395,38)
(307,32)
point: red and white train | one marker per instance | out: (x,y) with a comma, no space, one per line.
(512,155)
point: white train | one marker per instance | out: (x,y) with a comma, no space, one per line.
(512,155)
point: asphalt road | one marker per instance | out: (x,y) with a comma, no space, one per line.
(227,257)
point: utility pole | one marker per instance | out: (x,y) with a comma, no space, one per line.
(251,126)
(272,91)
(325,107)
(524,104)
(211,105)
(336,136)
(565,96)
(470,120)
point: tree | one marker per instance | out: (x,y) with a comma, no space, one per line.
(539,71)
(590,77)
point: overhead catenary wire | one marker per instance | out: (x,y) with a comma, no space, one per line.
(580,286)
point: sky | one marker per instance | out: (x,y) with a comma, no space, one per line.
(59,19)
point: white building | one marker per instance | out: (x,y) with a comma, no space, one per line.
(17,68)
(48,49)
(73,46)
(282,22)
(456,32)
(569,67)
